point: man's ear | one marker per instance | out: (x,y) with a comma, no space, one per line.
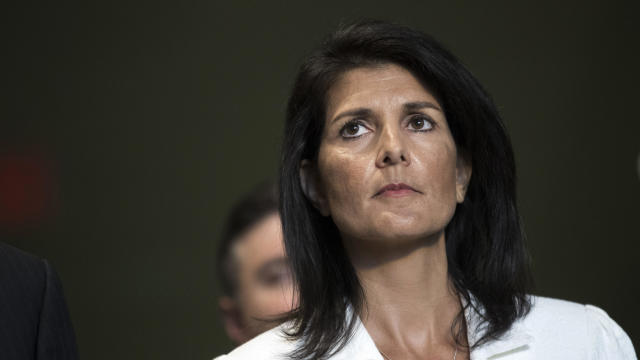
(311,187)
(463,176)
(232,318)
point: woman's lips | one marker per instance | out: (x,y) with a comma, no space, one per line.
(396,190)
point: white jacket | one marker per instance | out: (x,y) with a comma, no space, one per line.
(553,329)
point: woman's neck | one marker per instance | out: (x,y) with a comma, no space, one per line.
(410,302)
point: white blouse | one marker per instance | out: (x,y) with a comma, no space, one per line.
(553,329)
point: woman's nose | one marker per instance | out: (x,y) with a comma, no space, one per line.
(392,149)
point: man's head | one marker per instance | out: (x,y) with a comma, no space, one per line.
(254,272)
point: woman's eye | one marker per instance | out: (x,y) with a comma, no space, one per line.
(276,278)
(353,129)
(420,123)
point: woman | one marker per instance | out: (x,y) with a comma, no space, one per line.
(400,220)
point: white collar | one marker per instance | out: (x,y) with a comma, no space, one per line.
(516,339)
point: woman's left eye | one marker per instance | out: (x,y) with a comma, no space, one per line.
(420,123)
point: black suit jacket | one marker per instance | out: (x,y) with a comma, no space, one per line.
(34,321)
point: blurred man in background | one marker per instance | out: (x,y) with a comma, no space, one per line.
(254,272)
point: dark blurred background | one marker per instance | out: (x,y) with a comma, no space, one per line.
(127,129)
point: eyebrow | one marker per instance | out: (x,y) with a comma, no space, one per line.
(408,107)
(417,105)
(359,112)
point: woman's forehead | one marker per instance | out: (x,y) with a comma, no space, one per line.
(375,86)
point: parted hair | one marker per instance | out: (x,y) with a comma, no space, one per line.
(487,260)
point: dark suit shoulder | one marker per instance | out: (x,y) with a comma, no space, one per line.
(22,276)
(12,258)
(34,320)
(23,279)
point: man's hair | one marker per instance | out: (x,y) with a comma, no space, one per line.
(247,212)
(487,260)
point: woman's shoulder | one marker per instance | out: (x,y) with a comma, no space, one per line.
(544,309)
(272,344)
(568,313)
(576,326)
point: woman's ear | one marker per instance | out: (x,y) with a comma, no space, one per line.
(232,318)
(311,187)
(463,175)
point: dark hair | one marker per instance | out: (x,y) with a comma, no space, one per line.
(487,259)
(248,211)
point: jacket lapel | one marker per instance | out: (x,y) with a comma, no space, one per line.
(514,344)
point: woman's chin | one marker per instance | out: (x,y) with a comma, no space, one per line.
(395,227)
(399,237)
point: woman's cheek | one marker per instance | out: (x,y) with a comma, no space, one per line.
(344,179)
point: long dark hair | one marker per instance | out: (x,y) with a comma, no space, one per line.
(487,259)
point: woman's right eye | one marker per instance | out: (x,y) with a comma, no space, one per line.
(353,129)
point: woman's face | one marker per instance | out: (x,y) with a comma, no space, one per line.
(387,167)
